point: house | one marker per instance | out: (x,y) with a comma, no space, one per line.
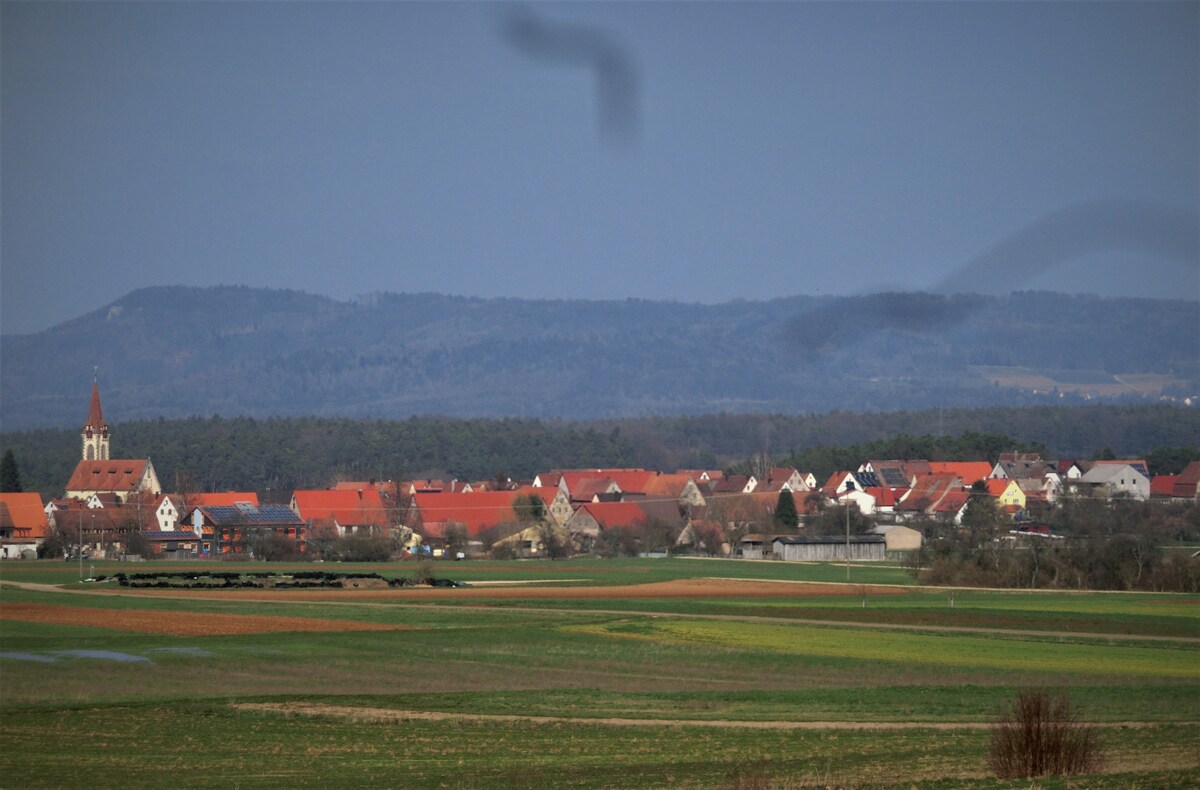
(860,498)
(673,487)
(590,520)
(1187,486)
(432,515)
(231,529)
(897,537)
(735,484)
(952,506)
(358,511)
(795,481)
(896,474)
(1109,480)
(1020,465)
(1163,486)
(927,491)
(101,531)
(173,506)
(558,504)
(802,548)
(23,524)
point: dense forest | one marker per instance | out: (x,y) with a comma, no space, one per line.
(274,456)
(177,352)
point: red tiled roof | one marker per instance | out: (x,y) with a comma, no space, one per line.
(615,514)
(346,507)
(884,497)
(477,511)
(996,485)
(952,502)
(668,486)
(222,498)
(969,471)
(122,476)
(27,513)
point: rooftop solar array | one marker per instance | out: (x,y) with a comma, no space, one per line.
(866,479)
(893,477)
(244,513)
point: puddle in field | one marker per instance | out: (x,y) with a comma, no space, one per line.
(183,651)
(40,659)
(105,655)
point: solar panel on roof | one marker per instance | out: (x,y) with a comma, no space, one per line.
(893,476)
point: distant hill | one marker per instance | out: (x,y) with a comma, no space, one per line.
(230,351)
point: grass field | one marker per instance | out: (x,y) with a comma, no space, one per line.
(576,678)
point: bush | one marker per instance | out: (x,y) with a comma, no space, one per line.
(1040,735)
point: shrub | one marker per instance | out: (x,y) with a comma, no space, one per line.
(1040,735)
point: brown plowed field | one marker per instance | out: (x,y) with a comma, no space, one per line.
(681,588)
(148,621)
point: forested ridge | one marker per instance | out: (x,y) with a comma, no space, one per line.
(280,454)
(234,351)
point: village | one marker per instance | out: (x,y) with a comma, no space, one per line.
(116,508)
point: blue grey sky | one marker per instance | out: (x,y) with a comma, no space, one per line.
(749,150)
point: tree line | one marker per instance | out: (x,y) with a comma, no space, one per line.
(276,456)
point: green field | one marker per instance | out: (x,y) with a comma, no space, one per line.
(795,690)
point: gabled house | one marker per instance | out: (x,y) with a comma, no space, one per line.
(1020,465)
(927,492)
(347,511)
(735,484)
(431,515)
(174,506)
(1187,485)
(23,524)
(558,504)
(896,474)
(1109,480)
(591,520)
(232,529)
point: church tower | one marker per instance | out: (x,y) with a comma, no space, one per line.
(95,430)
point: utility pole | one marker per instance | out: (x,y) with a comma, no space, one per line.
(847,541)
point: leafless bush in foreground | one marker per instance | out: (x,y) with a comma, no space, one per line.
(1040,735)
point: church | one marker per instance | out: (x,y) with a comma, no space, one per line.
(97,473)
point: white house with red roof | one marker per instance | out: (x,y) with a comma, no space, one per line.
(23,523)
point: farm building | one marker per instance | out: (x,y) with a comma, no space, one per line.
(897,537)
(796,548)
(755,547)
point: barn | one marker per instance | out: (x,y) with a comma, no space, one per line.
(798,548)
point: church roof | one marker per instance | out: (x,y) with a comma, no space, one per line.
(120,475)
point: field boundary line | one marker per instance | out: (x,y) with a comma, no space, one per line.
(367,714)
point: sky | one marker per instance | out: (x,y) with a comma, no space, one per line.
(695,152)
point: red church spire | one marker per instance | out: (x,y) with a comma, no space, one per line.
(95,421)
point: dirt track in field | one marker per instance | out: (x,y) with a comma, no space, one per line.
(385,715)
(681,588)
(148,621)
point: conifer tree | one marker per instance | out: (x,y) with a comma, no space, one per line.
(10,474)
(786,517)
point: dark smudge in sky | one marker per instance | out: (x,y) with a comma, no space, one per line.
(583,46)
(1145,229)
(1150,231)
